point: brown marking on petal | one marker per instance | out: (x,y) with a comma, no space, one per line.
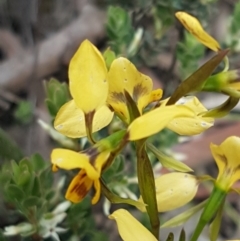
(223,159)
(118,97)
(80,188)
(89,119)
(54,168)
(237,168)
(138,91)
(110,107)
(91,152)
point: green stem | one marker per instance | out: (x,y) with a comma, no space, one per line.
(226,62)
(147,186)
(113,198)
(214,202)
(88,123)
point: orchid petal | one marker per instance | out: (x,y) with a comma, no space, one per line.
(70,120)
(123,76)
(87,75)
(155,120)
(227,157)
(79,187)
(195,28)
(67,159)
(130,228)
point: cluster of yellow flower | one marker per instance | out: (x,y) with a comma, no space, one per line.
(99,93)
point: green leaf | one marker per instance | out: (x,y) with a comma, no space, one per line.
(182,236)
(36,190)
(46,178)
(16,171)
(234,28)
(24,112)
(183,217)
(109,56)
(119,166)
(50,87)
(2,237)
(6,173)
(167,161)
(50,194)
(14,193)
(59,98)
(52,109)
(38,162)
(170,237)
(193,82)
(25,164)
(31,201)
(10,150)
(223,109)
(57,95)
(113,198)
(147,187)
(22,173)
(119,29)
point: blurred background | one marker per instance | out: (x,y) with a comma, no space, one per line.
(39,37)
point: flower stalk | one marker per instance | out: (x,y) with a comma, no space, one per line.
(147,186)
(214,202)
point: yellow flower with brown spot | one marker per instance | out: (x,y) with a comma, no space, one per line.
(90,163)
(123,76)
(227,157)
(87,112)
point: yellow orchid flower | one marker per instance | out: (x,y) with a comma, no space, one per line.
(196,29)
(90,162)
(184,118)
(87,112)
(227,157)
(130,228)
(191,125)
(174,186)
(123,76)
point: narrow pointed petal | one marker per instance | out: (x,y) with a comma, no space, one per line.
(67,159)
(87,75)
(101,160)
(155,120)
(129,228)
(195,28)
(79,187)
(70,120)
(97,194)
